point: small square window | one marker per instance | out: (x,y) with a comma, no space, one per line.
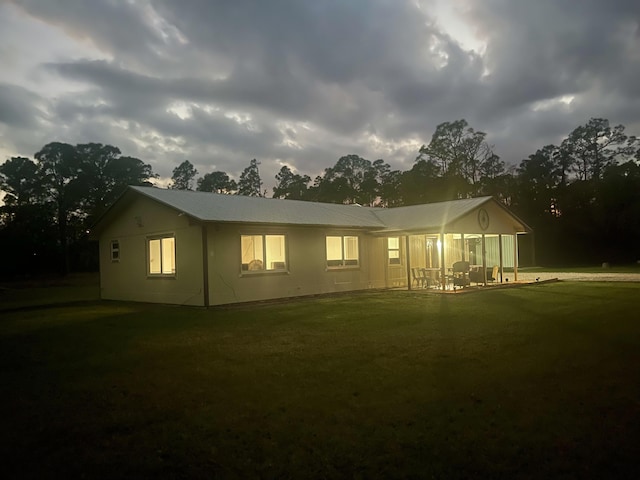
(115,251)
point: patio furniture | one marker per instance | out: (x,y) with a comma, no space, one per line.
(476,274)
(460,274)
(494,274)
(432,275)
(420,277)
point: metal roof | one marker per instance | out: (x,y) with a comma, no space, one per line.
(430,216)
(212,207)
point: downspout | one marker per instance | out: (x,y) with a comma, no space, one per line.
(205,265)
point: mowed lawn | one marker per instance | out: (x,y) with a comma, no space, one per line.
(541,381)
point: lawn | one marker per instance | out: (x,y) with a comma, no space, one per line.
(633,268)
(534,382)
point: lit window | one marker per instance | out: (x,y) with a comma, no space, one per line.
(263,253)
(162,256)
(342,251)
(393,247)
(115,251)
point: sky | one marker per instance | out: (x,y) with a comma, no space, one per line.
(303,82)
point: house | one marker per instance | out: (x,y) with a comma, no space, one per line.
(197,248)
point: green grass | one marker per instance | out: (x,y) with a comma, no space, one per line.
(533,382)
(46,291)
(635,268)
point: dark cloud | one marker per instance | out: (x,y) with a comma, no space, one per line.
(18,107)
(303,82)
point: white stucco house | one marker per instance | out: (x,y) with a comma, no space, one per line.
(197,248)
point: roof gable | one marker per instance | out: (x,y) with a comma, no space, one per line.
(429,216)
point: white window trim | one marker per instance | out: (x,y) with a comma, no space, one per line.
(148,259)
(389,250)
(343,265)
(114,247)
(263,236)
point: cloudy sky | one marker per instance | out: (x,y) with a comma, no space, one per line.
(304,82)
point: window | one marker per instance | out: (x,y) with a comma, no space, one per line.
(393,247)
(263,253)
(162,256)
(342,251)
(115,251)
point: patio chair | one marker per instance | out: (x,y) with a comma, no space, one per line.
(418,277)
(460,272)
(476,276)
(492,275)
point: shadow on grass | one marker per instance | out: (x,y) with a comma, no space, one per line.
(497,384)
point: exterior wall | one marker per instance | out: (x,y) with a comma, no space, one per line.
(499,222)
(307,272)
(396,274)
(127,279)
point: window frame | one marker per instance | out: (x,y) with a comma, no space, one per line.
(160,238)
(263,241)
(114,249)
(343,265)
(395,249)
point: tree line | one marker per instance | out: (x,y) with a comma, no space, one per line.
(582,197)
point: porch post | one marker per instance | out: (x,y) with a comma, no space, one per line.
(484,261)
(443,270)
(463,251)
(500,254)
(515,257)
(408,255)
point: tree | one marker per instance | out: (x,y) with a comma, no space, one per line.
(250,183)
(391,189)
(539,176)
(461,152)
(495,180)
(94,158)
(291,185)
(595,146)
(183,176)
(19,180)
(106,174)
(425,184)
(25,220)
(217,182)
(60,171)
(351,180)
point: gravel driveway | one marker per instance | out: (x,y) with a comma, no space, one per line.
(577,277)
